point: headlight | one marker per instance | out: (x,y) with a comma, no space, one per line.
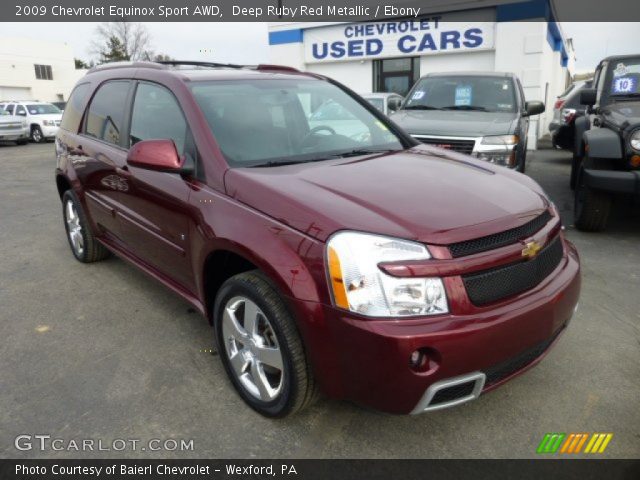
(500,140)
(358,284)
(634,140)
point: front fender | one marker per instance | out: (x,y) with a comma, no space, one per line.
(291,259)
(602,143)
(581,126)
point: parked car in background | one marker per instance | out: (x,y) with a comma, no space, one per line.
(375,269)
(607,152)
(476,113)
(386,102)
(43,118)
(13,128)
(565,112)
(60,105)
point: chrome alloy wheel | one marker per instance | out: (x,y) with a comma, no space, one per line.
(74,229)
(252,348)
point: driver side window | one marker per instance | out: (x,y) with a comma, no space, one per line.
(157,115)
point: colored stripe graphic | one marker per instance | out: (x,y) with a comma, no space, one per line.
(573,443)
(550,443)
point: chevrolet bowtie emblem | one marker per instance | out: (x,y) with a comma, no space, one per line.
(531,249)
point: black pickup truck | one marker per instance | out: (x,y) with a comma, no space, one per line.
(606,159)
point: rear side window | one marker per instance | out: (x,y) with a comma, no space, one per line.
(157,115)
(106,112)
(73,110)
(10,109)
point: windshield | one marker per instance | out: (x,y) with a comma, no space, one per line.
(42,109)
(274,122)
(623,78)
(376,102)
(486,94)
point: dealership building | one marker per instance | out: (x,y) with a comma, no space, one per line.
(522,37)
(36,70)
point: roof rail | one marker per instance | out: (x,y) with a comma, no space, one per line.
(200,64)
(284,68)
(175,63)
(124,64)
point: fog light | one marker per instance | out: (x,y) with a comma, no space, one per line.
(416,359)
(635,161)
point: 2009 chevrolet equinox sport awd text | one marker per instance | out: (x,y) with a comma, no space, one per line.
(331,254)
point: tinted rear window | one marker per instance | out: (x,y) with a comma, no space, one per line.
(73,111)
(106,111)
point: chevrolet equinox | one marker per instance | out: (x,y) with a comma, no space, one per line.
(330,250)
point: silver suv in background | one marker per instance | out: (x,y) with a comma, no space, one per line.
(43,118)
(477,113)
(13,128)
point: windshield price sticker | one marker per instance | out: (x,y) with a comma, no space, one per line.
(463,95)
(621,69)
(625,85)
(417,95)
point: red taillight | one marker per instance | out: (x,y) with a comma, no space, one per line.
(558,104)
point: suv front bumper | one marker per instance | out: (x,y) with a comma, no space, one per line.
(368,360)
(615,181)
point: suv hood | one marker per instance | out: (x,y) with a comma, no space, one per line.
(47,116)
(12,119)
(455,123)
(420,194)
(626,111)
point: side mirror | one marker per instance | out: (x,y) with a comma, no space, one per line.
(533,108)
(158,155)
(394,103)
(588,96)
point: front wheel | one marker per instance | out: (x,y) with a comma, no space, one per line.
(36,134)
(591,207)
(260,346)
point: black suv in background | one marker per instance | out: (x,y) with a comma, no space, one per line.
(607,152)
(566,111)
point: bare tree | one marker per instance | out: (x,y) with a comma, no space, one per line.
(134,38)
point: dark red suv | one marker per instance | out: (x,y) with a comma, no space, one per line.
(330,251)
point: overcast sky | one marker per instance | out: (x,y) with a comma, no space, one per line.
(247,42)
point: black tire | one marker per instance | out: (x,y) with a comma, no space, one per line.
(575,166)
(591,207)
(298,387)
(36,134)
(92,250)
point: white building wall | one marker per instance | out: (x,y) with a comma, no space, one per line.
(456,62)
(358,76)
(522,51)
(17,72)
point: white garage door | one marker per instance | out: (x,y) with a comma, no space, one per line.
(15,93)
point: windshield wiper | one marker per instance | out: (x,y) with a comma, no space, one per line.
(465,107)
(350,153)
(626,95)
(421,107)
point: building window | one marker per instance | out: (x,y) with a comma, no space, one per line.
(43,72)
(395,74)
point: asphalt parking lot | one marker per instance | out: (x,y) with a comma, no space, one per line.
(103,352)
